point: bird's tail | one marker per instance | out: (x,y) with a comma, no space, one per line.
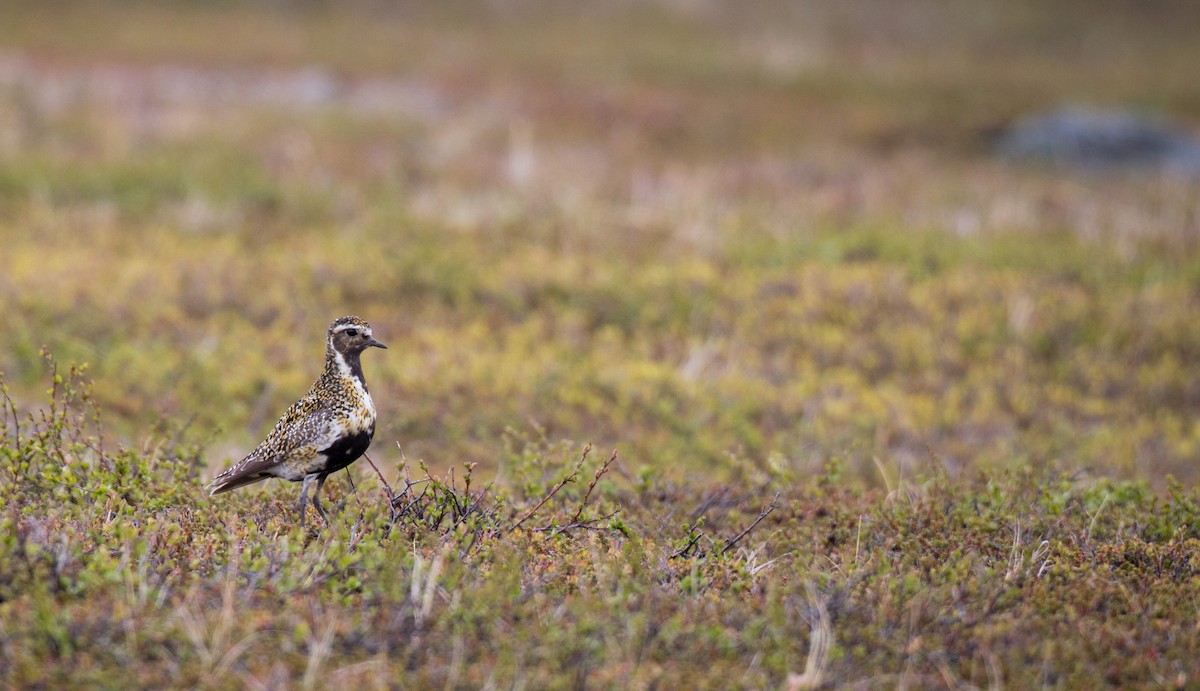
(224,484)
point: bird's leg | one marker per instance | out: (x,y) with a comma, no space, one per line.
(316,502)
(308,480)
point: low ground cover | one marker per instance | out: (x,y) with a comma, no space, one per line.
(886,410)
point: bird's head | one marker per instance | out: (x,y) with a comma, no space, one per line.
(351,335)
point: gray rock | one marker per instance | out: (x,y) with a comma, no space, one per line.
(1090,139)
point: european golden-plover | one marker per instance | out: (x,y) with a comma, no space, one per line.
(323,432)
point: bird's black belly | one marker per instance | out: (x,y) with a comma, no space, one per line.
(346,450)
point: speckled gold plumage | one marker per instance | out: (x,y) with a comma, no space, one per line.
(324,431)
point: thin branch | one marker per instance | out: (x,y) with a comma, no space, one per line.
(472,503)
(688,547)
(404,464)
(387,488)
(589,524)
(762,514)
(587,495)
(412,503)
(570,478)
(408,490)
(353,490)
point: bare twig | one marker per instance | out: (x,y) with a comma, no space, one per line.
(599,474)
(10,407)
(589,524)
(404,464)
(354,491)
(386,487)
(570,478)
(575,521)
(688,547)
(414,502)
(472,503)
(762,514)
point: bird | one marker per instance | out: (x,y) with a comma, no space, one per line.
(329,428)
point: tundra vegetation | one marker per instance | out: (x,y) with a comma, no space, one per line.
(723,352)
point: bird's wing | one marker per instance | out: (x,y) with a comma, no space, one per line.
(296,437)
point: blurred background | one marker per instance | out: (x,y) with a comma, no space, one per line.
(722,237)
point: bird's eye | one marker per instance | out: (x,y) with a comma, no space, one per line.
(352,332)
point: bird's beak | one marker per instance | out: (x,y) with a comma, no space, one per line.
(372,342)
